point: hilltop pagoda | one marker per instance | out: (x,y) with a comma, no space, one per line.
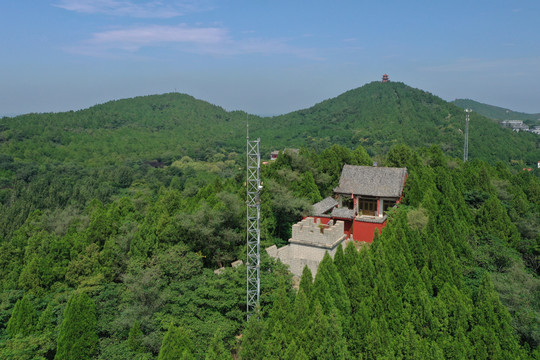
(385,78)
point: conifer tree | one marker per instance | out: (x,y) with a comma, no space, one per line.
(367,271)
(46,321)
(216,349)
(22,320)
(279,324)
(281,307)
(378,339)
(301,312)
(307,188)
(492,219)
(254,339)
(294,352)
(351,256)
(339,261)
(325,334)
(77,338)
(360,328)
(492,331)
(328,289)
(306,281)
(176,345)
(135,337)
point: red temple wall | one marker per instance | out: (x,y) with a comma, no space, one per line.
(363,231)
(360,231)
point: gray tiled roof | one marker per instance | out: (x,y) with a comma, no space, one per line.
(324,206)
(371,181)
(343,213)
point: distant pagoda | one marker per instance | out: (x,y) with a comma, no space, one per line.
(385,78)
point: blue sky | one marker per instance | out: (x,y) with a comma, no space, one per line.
(264,57)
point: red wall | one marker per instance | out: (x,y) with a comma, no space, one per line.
(363,231)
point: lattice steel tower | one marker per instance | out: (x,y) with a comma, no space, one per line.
(253,202)
(466,146)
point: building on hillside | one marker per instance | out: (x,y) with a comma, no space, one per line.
(515,125)
(363,196)
(357,209)
(274,154)
(385,78)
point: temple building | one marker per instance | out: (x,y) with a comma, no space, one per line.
(357,209)
(363,196)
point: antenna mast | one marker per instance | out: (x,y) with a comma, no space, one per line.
(466,146)
(253,202)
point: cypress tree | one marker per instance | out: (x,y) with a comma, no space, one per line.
(176,345)
(328,289)
(378,339)
(351,256)
(325,334)
(135,337)
(280,324)
(77,338)
(339,262)
(492,219)
(493,331)
(300,314)
(294,352)
(21,322)
(306,282)
(306,188)
(254,340)
(277,341)
(46,320)
(217,350)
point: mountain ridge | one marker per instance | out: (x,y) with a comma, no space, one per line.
(496,112)
(168,126)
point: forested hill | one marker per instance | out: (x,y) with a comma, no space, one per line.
(148,128)
(379,115)
(114,218)
(496,112)
(161,128)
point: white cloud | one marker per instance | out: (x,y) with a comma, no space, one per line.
(213,41)
(154,34)
(130,8)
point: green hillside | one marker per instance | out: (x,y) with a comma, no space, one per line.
(496,112)
(453,275)
(378,115)
(164,128)
(114,218)
(142,128)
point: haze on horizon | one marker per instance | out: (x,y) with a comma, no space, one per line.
(264,58)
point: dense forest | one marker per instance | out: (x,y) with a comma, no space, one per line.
(113,220)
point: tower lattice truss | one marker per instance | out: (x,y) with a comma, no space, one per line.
(253,225)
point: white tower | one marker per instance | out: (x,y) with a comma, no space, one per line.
(466,146)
